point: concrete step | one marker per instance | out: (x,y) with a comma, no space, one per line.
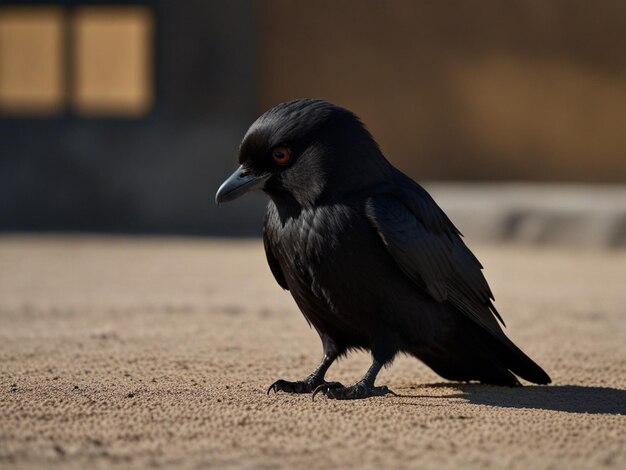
(579,215)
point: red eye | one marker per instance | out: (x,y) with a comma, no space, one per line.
(281,155)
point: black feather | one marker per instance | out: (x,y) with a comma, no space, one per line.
(273,262)
(368,256)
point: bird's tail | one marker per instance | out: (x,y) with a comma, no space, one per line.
(473,353)
(514,359)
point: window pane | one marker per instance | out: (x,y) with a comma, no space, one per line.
(112,60)
(31,60)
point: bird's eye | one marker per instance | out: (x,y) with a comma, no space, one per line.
(281,155)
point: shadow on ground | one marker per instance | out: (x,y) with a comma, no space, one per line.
(567,398)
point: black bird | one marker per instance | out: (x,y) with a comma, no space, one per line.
(371,260)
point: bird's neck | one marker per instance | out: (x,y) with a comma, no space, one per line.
(287,205)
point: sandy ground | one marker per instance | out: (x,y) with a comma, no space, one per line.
(152,352)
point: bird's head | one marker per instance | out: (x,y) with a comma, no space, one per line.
(303,150)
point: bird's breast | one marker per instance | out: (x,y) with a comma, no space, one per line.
(338,270)
(313,250)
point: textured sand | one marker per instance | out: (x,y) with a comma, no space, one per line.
(152,352)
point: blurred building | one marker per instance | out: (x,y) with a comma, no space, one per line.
(123,116)
(126,115)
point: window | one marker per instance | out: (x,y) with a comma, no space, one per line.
(112,60)
(92,60)
(31,60)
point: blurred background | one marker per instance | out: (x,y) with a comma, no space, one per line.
(125,116)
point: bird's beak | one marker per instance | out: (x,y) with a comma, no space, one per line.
(239,183)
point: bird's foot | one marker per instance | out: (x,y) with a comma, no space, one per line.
(353,392)
(301,386)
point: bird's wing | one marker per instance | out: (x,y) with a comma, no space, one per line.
(428,249)
(273,262)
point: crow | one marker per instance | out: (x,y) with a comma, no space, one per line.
(370,259)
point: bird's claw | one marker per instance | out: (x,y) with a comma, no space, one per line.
(273,387)
(325,387)
(320,388)
(353,392)
(285,386)
(301,386)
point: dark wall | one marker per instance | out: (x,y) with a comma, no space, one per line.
(157,173)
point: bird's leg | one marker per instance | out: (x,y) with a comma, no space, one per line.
(384,350)
(364,388)
(315,379)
